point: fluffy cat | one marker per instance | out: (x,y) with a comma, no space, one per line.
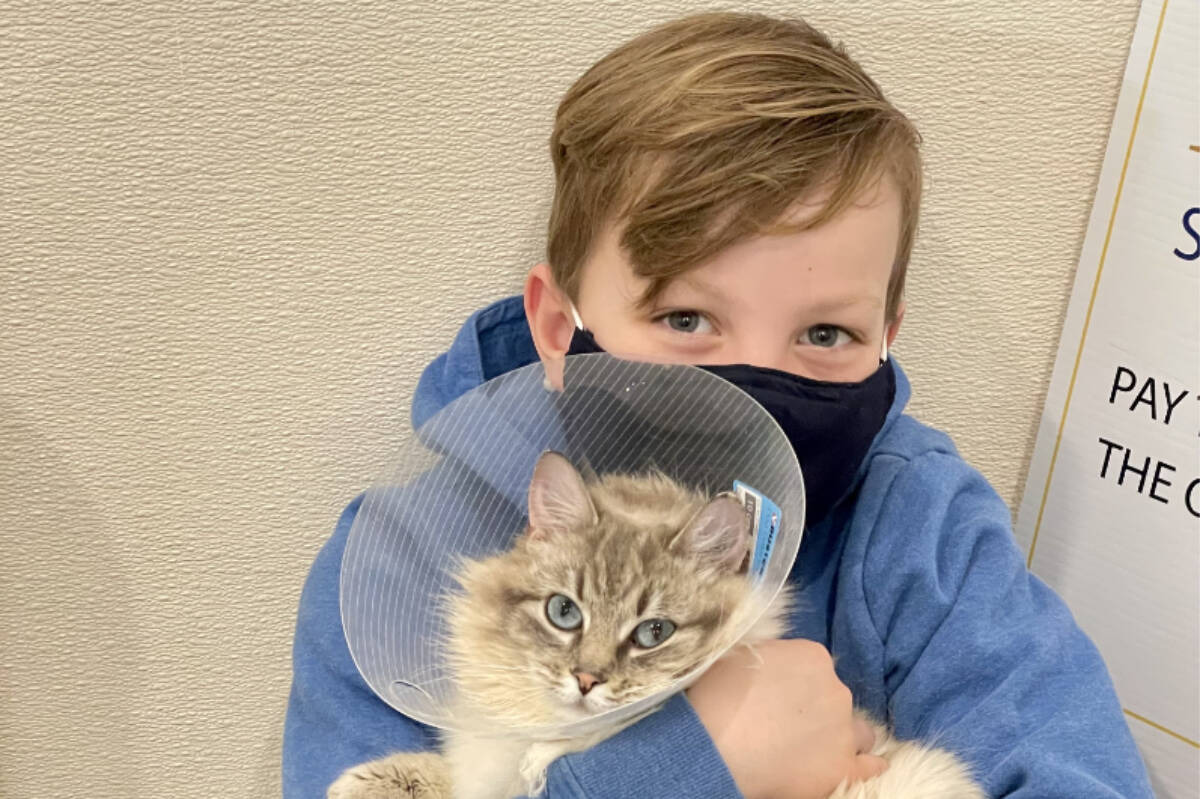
(616,590)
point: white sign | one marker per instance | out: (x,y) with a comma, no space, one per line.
(1111,513)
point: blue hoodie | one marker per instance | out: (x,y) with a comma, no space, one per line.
(914,583)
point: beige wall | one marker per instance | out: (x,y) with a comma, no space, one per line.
(231,237)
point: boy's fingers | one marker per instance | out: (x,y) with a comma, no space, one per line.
(868,766)
(864,736)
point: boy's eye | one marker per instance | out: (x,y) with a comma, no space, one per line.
(687,322)
(826,335)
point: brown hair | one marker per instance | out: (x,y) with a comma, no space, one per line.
(706,131)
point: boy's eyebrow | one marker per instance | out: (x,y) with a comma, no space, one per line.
(700,286)
(838,303)
(821,306)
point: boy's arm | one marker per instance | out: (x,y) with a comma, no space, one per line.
(335,721)
(667,755)
(982,657)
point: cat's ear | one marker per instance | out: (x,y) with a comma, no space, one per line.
(718,535)
(558,498)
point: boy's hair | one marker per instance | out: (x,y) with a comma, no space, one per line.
(706,131)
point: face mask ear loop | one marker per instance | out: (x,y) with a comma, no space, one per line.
(579,326)
(883,348)
(575,316)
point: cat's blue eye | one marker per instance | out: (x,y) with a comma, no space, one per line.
(563,613)
(653,632)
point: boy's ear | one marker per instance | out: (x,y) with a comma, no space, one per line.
(550,321)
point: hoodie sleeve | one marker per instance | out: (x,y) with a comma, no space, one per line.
(335,721)
(667,755)
(979,655)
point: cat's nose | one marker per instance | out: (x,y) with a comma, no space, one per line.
(587,681)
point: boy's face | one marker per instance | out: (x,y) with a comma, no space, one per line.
(810,303)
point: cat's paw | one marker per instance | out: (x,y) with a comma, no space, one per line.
(405,775)
(915,771)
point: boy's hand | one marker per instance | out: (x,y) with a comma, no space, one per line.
(783,721)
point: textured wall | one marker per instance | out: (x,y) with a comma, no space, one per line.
(230,237)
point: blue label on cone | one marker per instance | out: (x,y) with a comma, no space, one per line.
(766,518)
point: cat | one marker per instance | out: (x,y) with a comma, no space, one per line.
(616,590)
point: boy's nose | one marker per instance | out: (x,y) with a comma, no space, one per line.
(587,681)
(762,355)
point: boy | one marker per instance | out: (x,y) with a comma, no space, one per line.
(733,189)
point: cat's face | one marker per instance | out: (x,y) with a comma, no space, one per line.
(615,592)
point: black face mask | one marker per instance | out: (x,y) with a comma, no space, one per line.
(830,425)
